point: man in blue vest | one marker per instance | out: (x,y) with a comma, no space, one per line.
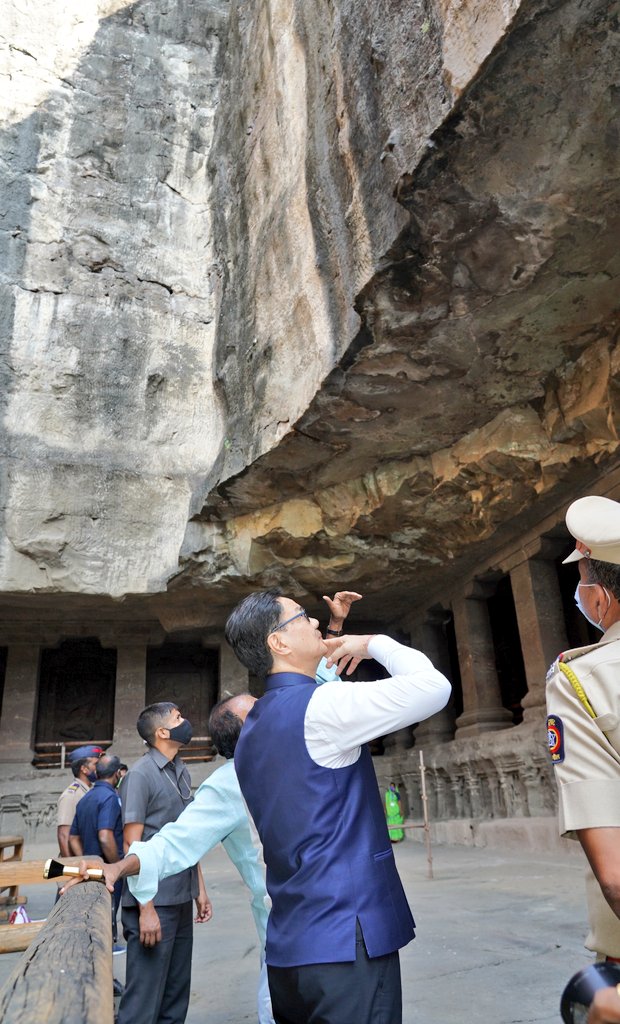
(339,913)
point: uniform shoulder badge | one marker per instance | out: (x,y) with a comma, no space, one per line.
(555,738)
(553,667)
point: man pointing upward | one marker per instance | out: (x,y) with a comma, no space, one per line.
(339,912)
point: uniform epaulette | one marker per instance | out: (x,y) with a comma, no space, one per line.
(553,667)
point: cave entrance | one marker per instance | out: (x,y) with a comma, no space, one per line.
(507,645)
(188,675)
(77,681)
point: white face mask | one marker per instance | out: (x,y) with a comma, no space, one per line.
(597,625)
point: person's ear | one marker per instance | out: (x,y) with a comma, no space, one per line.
(277,644)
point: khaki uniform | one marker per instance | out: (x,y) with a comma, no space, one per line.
(586,756)
(68,801)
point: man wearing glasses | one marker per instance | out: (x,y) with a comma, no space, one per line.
(339,913)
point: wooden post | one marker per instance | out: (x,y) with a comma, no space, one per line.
(427,827)
(65,976)
(16,844)
(15,938)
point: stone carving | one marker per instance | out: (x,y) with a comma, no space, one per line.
(39,814)
(507,775)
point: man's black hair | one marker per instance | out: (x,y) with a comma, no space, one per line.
(76,765)
(248,627)
(107,766)
(604,573)
(152,718)
(224,728)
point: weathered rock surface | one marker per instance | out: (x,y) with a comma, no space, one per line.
(375,333)
(480,389)
(109,413)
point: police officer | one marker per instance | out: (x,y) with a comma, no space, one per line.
(83,762)
(583,704)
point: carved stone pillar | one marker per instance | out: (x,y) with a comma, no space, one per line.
(538,604)
(535,797)
(428,636)
(233,675)
(129,700)
(19,704)
(482,706)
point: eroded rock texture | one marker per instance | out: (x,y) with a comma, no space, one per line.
(109,414)
(471,218)
(357,336)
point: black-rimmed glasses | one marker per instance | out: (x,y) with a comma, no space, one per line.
(300,615)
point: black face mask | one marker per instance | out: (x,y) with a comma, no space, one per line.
(182,733)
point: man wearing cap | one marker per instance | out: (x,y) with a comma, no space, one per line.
(583,724)
(83,761)
(97,827)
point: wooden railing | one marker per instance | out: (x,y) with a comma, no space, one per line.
(65,975)
(9,893)
(14,938)
(55,755)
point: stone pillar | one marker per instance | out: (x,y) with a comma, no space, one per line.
(428,636)
(395,742)
(540,616)
(233,675)
(129,700)
(19,704)
(482,705)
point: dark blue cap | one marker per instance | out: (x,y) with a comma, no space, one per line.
(87,751)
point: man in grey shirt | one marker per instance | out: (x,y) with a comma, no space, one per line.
(159,934)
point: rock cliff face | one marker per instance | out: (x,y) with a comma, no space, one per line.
(357,333)
(109,413)
(459,170)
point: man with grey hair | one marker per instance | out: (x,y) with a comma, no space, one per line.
(583,724)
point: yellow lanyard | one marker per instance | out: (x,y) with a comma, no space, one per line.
(577,687)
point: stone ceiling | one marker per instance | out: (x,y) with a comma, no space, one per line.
(320,296)
(480,391)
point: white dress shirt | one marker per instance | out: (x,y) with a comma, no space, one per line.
(343,715)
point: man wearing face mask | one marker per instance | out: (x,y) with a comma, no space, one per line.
(83,762)
(96,827)
(159,934)
(583,704)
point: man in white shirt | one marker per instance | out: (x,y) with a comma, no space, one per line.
(339,912)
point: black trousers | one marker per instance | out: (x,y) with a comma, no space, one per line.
(363,992)
(157,979)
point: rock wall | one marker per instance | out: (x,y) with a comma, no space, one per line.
(109,411)
(307,294)
(472,227)
(324,109)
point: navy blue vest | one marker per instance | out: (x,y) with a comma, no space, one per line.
(325,839)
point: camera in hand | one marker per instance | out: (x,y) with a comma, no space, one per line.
(579,992)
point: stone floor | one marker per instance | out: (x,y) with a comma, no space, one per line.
(499,934)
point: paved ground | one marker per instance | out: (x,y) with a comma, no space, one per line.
(498,937)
